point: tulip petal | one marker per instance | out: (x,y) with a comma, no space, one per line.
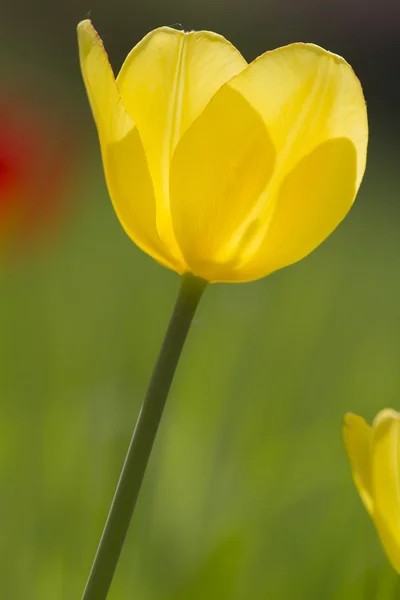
(165,83)
(386,481)
(112,120)
(124,159)
(218,170)
(131,190)
(311,201)
(388,540)
(357,437)
(307,97)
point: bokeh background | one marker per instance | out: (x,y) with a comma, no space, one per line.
(248,492)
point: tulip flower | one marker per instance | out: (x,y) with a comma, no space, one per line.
(222,171)
(220,168)
(374,454)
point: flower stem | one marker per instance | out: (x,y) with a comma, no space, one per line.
(137,457)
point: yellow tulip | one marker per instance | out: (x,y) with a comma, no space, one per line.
(221,168)
(374,453)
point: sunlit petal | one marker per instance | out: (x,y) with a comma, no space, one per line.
(165,83)
(311,102)
(131,190)
(112,120)
(125,164)
(312,199)
(218,171)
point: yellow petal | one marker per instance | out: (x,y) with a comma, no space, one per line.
(308,97)
(386,481)
(357,437)
(218,171)
(112,120)
(124,160)
(165,83)
(389,541)
(311,201)
(132,193)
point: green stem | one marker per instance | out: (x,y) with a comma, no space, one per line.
(130,481)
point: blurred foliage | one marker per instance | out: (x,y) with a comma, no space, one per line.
(248,492)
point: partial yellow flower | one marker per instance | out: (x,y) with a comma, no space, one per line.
(220,168)
(374,454)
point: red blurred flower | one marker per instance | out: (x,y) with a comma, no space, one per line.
(35,168)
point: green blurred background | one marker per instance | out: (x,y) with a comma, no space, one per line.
(248,494)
